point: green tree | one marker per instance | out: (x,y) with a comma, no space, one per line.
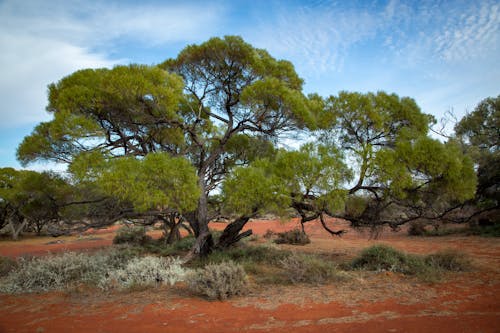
(400,173)
(30,199)
(479,132)
(206,105)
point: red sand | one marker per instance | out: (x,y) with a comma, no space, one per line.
(374,302)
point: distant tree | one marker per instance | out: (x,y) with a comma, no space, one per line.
(30,199)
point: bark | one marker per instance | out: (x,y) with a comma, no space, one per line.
(231,233)
(17,228)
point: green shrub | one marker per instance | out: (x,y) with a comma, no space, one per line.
(449,260)
(301,268)
(386,258)
(218,281)
(131,235)
(294,237)
(6,265)
(145,271)
(60,271)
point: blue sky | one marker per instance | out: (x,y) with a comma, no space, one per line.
(445,54)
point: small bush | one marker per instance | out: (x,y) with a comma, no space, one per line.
(386,258)
(417,229)
(218,281)
(294,237)
(309,269)
(449,260)
(6,265)
(131,235)
(145,271)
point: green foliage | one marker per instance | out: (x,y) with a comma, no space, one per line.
(478,131)
(131,235)
(293,237)
(218,281)
(302,268)
(158,180)
(428,268)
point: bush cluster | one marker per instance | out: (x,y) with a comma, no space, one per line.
(218,281)
(427,268)
(6,265)
(60,271)
(294,237)
(144,272)
(131,235)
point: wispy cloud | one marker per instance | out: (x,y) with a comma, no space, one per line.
(44,41)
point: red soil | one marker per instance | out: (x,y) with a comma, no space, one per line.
(371,302)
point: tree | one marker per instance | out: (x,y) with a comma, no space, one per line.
(479,132)
(30,199)
(401,174)
(203,105)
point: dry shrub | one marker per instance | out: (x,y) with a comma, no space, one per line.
(144,272)
(218,281)
(293,237)
(301,268)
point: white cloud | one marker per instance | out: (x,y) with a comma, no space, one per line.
(42,41)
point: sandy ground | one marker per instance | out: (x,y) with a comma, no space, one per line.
(370,302)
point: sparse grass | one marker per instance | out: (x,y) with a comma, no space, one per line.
(293,237)
(218,281)
(449,260)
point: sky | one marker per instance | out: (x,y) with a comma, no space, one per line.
(444,54)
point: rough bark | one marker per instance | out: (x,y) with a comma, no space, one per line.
(231,233)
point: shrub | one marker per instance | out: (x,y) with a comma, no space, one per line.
(6,265)
(131,235)
(386,258)
(58,272)
(145,271)
(417,229)
(301,268)
(268,254)
(218,281)
(294,237)
(449,260)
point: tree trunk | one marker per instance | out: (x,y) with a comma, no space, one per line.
(16,230)
(231,233)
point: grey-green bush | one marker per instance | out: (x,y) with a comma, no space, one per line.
(145,271)
(449,260)
(218,281)
(302,268)
(59,271)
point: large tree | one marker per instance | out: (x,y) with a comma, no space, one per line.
(207,105)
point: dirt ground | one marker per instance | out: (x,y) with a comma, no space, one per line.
(371,302)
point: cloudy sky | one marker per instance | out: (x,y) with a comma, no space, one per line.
(445,54)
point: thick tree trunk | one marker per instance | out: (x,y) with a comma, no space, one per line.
(231,233)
